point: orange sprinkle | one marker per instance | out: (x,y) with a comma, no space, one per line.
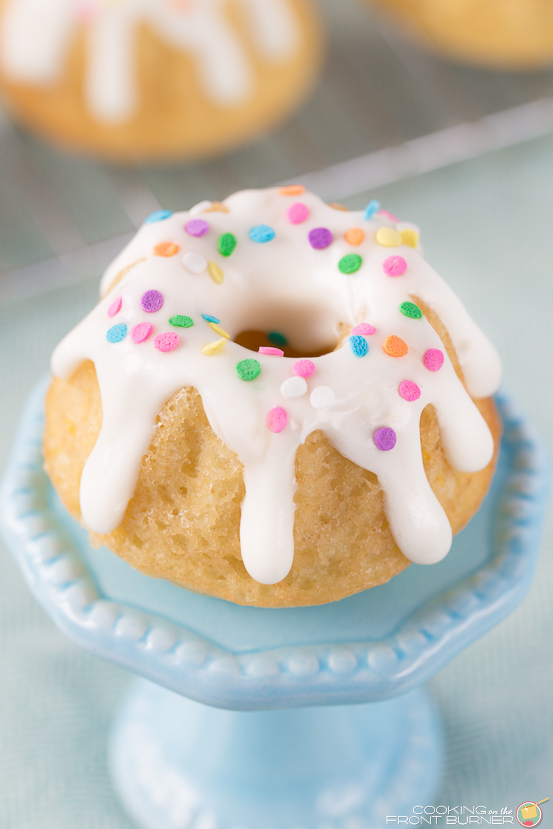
(337,206)
(395,346)
(166,249)
(217,207)
(292,190)
(355,236)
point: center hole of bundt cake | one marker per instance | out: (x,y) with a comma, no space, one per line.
(301,331)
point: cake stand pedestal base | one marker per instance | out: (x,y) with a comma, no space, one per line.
(178,764)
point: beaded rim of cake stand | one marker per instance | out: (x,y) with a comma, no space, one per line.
(183,661)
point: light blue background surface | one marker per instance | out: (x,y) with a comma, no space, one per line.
(487,226)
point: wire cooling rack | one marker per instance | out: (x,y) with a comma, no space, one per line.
(381,112)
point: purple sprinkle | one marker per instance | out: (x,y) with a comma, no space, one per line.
(196,227)
(385,439)
(151,301)
(320,238)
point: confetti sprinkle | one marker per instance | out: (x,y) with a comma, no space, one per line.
(115,306)
(158,216)
(372,208)
(337,206)
(180,321)
(409,391)
(388,237)
(433,359)
(276,338)
(226,244)
(218,330)
(217,207)
(209,318)
(166,249)
(215,347)
(387,215)
(294,387)
(248,369)
(320,238)
(411,310)
(395,346)
(272,352)
(194,262)
(196,227)
(364,329)
(354,236)
(385,439)
(297,213)
(410,237)
(303,368)
(277,419)
(215,272)
(261,234)
(322,397)
(167,341)
(117,333)
(292,190)
(350,263)
(151,301)
(201,207)
(359,345)
(394,266)
(141,332)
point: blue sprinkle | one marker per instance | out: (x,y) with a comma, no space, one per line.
(358,345)
(372,208)
(262,233)
(209,318)
(276,338)
(158,216)
(117,333)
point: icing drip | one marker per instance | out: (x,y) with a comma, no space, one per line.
(35,37)
(295,272)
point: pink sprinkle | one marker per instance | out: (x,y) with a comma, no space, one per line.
(394,266)
(364,329)
(115,307)
(409,391)
(277,419)
(141,332)
(166,342)
(387,215)
(433,359)
(267,349)
(303,368)
(297,213)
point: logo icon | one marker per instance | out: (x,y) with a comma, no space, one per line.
(529,813)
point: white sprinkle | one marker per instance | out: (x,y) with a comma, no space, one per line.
(194,262)
(322,397)
(294,387)
(200,207)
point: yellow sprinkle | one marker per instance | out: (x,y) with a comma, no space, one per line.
(337,206)
(219,330)
(410,237)
(388,237)
(217,207)
(214,348)
(215,272)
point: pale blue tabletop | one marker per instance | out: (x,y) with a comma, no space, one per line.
(487,227)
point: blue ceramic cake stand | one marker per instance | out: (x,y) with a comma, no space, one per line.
(225,732)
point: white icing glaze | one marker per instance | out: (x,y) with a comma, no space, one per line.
(287,286)
(35,37)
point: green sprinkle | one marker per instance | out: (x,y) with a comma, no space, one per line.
(227,243)
(411,310)
(276,338)
(181,322)
(248,369)
(350,263)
